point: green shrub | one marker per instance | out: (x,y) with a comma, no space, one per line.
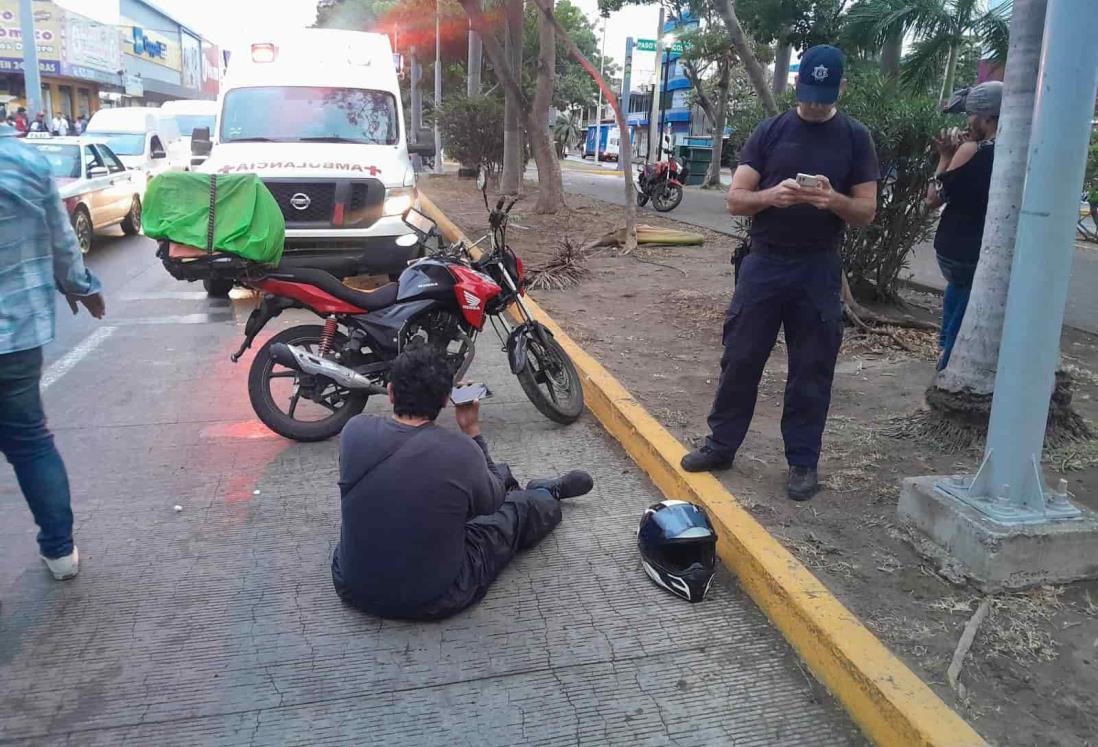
(902,126)
(472,130)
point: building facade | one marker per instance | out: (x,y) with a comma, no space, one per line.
(142,56)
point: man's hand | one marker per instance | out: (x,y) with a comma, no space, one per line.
(468,418)
(822,195)
(95,304)
(785,194)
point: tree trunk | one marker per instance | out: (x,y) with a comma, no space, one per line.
(514,165)
(890,55)
(626,145)
(713,175)
(975,355)
(704,101)
(755,71)
(950,73)
(781,68)
(550,188)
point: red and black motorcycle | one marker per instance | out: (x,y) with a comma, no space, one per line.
(307,381)
(661,183)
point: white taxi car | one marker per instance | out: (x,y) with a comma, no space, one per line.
(98,190)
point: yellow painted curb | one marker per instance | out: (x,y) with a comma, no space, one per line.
(885,698)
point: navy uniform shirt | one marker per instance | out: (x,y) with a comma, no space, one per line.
(783,146)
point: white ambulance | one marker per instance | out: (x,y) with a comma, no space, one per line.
(316,114)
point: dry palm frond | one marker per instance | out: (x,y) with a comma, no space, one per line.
(565,270)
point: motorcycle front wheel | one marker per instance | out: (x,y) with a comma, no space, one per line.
(295,405)
(668,198)
(642,198)
(551,382)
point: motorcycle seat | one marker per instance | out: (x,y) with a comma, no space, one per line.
(374,300)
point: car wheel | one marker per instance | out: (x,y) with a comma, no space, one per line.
(82,227)
(131,224)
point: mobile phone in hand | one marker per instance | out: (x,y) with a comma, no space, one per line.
(808,180)
(466,393)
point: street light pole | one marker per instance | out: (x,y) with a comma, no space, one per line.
(653,113)
(438,88)
(32,79)
(598,111)
(1010,487)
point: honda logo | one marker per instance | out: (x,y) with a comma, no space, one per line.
(300,201)
(472,302)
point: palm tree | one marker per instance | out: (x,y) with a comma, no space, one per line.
(940,29)
(565,132)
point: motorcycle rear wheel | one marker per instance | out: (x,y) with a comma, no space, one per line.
(668,198)
(342,403)
(551,382)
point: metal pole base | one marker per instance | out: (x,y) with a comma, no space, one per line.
(1037,503)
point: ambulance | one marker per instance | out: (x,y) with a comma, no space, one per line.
(317,115)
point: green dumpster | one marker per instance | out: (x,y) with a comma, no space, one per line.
(696,158)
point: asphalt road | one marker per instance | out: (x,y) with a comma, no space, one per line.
(707,208)
(204,611)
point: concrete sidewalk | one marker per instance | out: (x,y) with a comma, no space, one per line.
(218,624)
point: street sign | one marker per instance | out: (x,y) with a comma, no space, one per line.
(649,45)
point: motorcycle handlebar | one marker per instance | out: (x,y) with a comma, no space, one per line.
(499,205)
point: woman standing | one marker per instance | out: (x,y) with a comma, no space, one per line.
(961,183)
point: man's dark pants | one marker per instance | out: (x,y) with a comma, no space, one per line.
(802,293)
(491,541)
(28,446)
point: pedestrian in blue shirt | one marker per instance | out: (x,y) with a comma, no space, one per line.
(962,183)
(38,255)
(792,277)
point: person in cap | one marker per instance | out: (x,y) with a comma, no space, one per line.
(40,124)
(961,183)
(792,277)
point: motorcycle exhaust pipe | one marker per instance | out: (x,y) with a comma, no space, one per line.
(291,356)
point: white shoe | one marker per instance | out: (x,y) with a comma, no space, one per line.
(66,567)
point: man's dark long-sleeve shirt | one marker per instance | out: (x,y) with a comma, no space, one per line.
(407,492)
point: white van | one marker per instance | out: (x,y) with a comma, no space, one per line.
(316,114)
(188,115)
(141,138)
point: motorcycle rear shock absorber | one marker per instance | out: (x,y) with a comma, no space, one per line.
(327,336)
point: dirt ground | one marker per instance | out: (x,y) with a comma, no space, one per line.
(1031,677)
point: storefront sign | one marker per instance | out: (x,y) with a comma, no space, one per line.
(47,31)
(192,62)
(90,50)
(211,68)
(135,86)
(152,46)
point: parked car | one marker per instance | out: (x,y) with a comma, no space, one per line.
(189,115)
(97,188)
(145,140)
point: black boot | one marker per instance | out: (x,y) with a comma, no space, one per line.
(803,483)
(572,485)
(706,459)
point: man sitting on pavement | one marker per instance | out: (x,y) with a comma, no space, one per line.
(429,521)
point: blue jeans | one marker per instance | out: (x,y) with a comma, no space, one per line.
(958,277)
(28,446)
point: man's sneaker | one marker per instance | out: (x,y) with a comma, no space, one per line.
(706,459)
(572,485)
(803,483)
(64,567)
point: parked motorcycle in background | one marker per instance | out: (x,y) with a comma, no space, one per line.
(661,183)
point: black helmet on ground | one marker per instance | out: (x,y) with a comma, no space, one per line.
(678,548)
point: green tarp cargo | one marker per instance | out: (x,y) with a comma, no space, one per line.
(247,220)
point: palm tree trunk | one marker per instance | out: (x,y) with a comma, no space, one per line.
(550,187)
(713,175)
(755,72)
(975,355)
(626,145)
(781,68)
(510,182)
(890,55)
(950,73)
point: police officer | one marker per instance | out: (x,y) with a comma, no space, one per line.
(792,277)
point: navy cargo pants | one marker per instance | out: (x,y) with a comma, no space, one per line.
(802,293)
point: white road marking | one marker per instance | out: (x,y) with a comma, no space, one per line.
(64,364)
